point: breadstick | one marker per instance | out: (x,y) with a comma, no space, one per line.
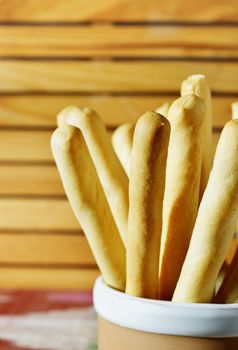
(111,174)
(220,277)
(226,264)
(89,203)
(234,109)
(181,190)
(146,191)
(197,85)
(228,292)
(122,140)
(163,109)
(214,225)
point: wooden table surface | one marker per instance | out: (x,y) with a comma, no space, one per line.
(47,320)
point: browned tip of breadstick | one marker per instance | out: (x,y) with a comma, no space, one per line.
(183,107)
(163,109)
(89,204)
(69,112)
(110,171)
(122,140)
(150,123)
(146,190)
(196,84)
(234,109)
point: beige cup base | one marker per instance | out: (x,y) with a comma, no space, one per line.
(114,337)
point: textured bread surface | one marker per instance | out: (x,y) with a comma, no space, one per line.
(88,201)
(122,140)
(146,191)
(110,172)
(181,190)
(197,84)
(215,223)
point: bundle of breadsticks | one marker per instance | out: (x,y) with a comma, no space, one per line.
(159,212)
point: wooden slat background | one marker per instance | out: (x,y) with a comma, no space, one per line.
(119,10)
(126,40)
(112,76)
(121,57)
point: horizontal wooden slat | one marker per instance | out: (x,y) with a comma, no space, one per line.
(118,10)
(41,111)
(25,146)
(30,179)
(39,214)
(51,278)
(43,249)
(107,76)
(109,40)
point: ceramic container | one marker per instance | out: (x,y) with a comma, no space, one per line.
(131,323)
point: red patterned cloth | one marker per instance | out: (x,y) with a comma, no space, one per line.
(47,320)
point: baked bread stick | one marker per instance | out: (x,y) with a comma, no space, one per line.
(226,264)
(146,191)
(214,225)
(197,85)
(122,140)
(228,292)
(89,203)
(234,109)
(110,172)
(163,109)
(181,189)
(220,277)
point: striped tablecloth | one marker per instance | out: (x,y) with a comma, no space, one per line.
(47,320)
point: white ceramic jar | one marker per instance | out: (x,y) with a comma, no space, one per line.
(127,322)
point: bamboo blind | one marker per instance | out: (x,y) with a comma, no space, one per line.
(120,57)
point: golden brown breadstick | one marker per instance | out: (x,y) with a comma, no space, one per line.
(234,109)
(226,264)
(122,140)
(89,203)
(197,85)
(228,292)
(163,109)
(146,191)
(110,172)
(181,190)
(214,225)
